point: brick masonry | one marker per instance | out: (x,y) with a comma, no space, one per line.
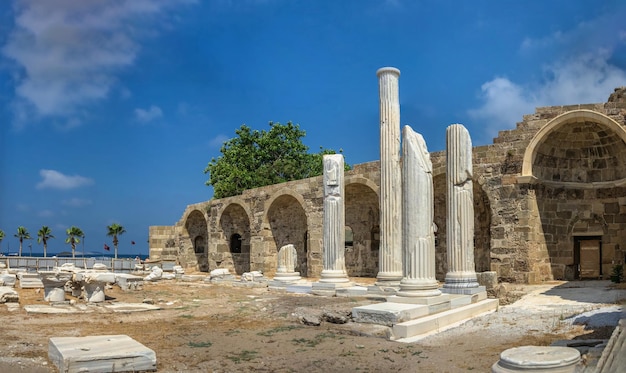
(557,178)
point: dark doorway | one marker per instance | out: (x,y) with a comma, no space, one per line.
(588,257)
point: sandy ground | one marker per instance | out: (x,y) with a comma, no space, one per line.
(220,328)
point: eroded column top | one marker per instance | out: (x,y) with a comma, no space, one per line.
(387,69)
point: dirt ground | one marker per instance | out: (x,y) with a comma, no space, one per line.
(220,328)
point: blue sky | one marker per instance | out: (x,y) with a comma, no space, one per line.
(110,110)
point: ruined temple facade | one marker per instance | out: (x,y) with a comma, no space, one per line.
(549,203)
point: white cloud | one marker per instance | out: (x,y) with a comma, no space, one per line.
(218,141)
(580,70)
(146,116)
(588,78)
(70,52)
(45,214)
(76,202)
(55,180)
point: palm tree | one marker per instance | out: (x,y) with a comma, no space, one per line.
(44,235)
(114,231)
(74,234)
(22,234)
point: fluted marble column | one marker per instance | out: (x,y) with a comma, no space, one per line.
(460,215)
(390,251)
(418,233)
(334,221)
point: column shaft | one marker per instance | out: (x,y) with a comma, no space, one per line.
(334,220)
(418,234)
(390,252)
(460,210)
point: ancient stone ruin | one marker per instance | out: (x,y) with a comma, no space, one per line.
(548,198)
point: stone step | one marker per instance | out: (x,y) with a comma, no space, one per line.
(407,331)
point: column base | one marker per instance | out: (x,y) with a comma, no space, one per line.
(334,276)
(461,280)
(389,279)
(465,291)
(419,288)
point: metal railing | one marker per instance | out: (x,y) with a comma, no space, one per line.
(48,264)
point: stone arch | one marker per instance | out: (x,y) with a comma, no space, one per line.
(234,221)
(288,223)
(576,149)
(362,216)
(194,241)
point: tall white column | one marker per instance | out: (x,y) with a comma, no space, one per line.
(334,221)
(460,215)
(390,251)
(418,233)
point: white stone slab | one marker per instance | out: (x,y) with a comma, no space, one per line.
(131,307)
(104,353)
(7,279)
(48,309)
(192,278)
(128,282)
(299,289)
(29,280)
(388,313)
(8,295)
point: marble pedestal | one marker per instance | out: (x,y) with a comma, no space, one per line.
(544,359)
(54,285)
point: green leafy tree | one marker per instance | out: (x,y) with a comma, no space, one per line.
(22,234)
(115,230)
(44,235)
(1,238)
(257,158)
(74,234)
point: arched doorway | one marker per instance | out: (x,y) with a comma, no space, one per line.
(234,251)
(288,223)
(362,217)
(196,240)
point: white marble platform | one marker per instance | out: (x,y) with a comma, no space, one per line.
(413,317)
(104,353)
